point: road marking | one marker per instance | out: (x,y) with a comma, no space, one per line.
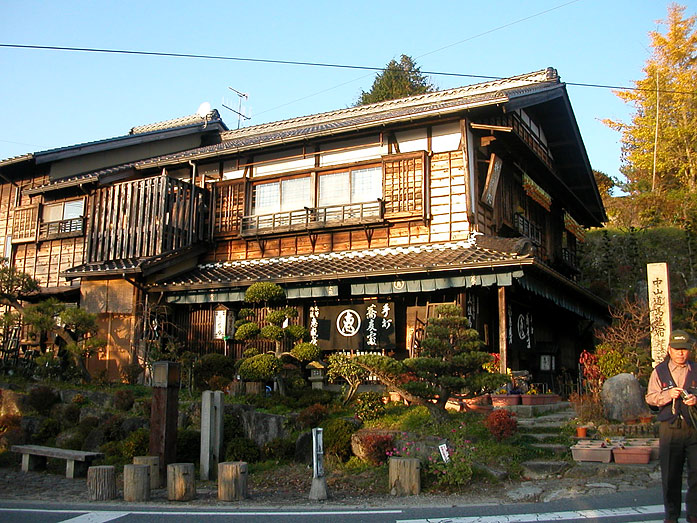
(200,513)
(594,514)
(96,517)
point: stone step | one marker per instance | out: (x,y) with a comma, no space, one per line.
(562,408)
(542,469)
(551,447)
(540,436)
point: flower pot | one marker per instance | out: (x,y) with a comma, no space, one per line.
(533,399)
(581,432)
(601,454)
(632,455)
(504,400)
(645,419)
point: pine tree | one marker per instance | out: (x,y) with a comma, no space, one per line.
(659,145)
(397,80)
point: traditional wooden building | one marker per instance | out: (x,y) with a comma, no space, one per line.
(56,207)
(368,217)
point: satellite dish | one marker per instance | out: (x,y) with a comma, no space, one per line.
(203,109)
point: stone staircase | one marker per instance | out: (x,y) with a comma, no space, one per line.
(543,423)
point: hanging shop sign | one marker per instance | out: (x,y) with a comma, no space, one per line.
(365,327)
(520,327)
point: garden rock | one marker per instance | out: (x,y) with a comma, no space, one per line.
(303,448)
(130,424)
(526,492)
(623,398)
(261,427)
(94,440)
(11,402)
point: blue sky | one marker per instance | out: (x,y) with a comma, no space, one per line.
(54,98)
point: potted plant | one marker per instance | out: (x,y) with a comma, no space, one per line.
(533,397)
(502,398)
(631,454)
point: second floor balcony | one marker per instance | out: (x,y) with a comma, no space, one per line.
(313,218)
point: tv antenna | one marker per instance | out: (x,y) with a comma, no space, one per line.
(239,114)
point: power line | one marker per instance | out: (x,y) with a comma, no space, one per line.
(309,64)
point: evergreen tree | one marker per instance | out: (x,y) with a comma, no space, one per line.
(451,361)
(659,145)
(397,80)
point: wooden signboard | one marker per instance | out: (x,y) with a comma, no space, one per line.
(659,310)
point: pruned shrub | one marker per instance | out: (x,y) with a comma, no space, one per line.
(213,365)
(49,428)
(123,399)
(232,427)
(312,416)
(501,424)
(263,367)
(136,444)
(369,406)
(188,446)
(376,446)
(306,351)
(264,292)
(218,382)
(242,449)
(71,414)
(279,449)
(132,372)
(42,399)
(337,437)
(112,428)
(247,331)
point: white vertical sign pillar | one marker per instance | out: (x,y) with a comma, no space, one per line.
(319,481)
(211,433)
(659,310)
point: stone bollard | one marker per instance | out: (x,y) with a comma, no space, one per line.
(232,481)
(181,484)
(101,482)
(405,476)
(136,482)
(154,463)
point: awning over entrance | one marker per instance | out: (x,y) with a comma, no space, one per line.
(398,285)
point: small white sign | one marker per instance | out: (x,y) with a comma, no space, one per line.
(444,452)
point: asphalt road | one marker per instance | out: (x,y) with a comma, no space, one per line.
(642,505)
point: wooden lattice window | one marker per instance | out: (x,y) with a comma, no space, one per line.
(403,179)
(24,223)
(229,207)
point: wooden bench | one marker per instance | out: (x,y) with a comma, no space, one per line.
(77,461)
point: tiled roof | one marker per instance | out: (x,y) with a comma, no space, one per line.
(438,257)
(192,119)
(176,123)
(133,265)
(341,120)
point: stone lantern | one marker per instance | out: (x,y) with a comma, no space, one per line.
(318,373)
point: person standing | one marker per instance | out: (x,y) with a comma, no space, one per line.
(672,387)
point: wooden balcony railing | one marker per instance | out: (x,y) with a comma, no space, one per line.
(528,229)
(62,228)
(313,218)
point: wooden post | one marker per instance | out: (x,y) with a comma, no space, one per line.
(101,483)
(232,481)
(164,413)
(503,332)
(181,485)
(405,476)
(136,482)
(154,463)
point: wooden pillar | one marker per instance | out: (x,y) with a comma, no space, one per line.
(181,483)
(101,483)
(136,482)
(164,413)
(154,463)
(405,476)
(503,331)
(232,481)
